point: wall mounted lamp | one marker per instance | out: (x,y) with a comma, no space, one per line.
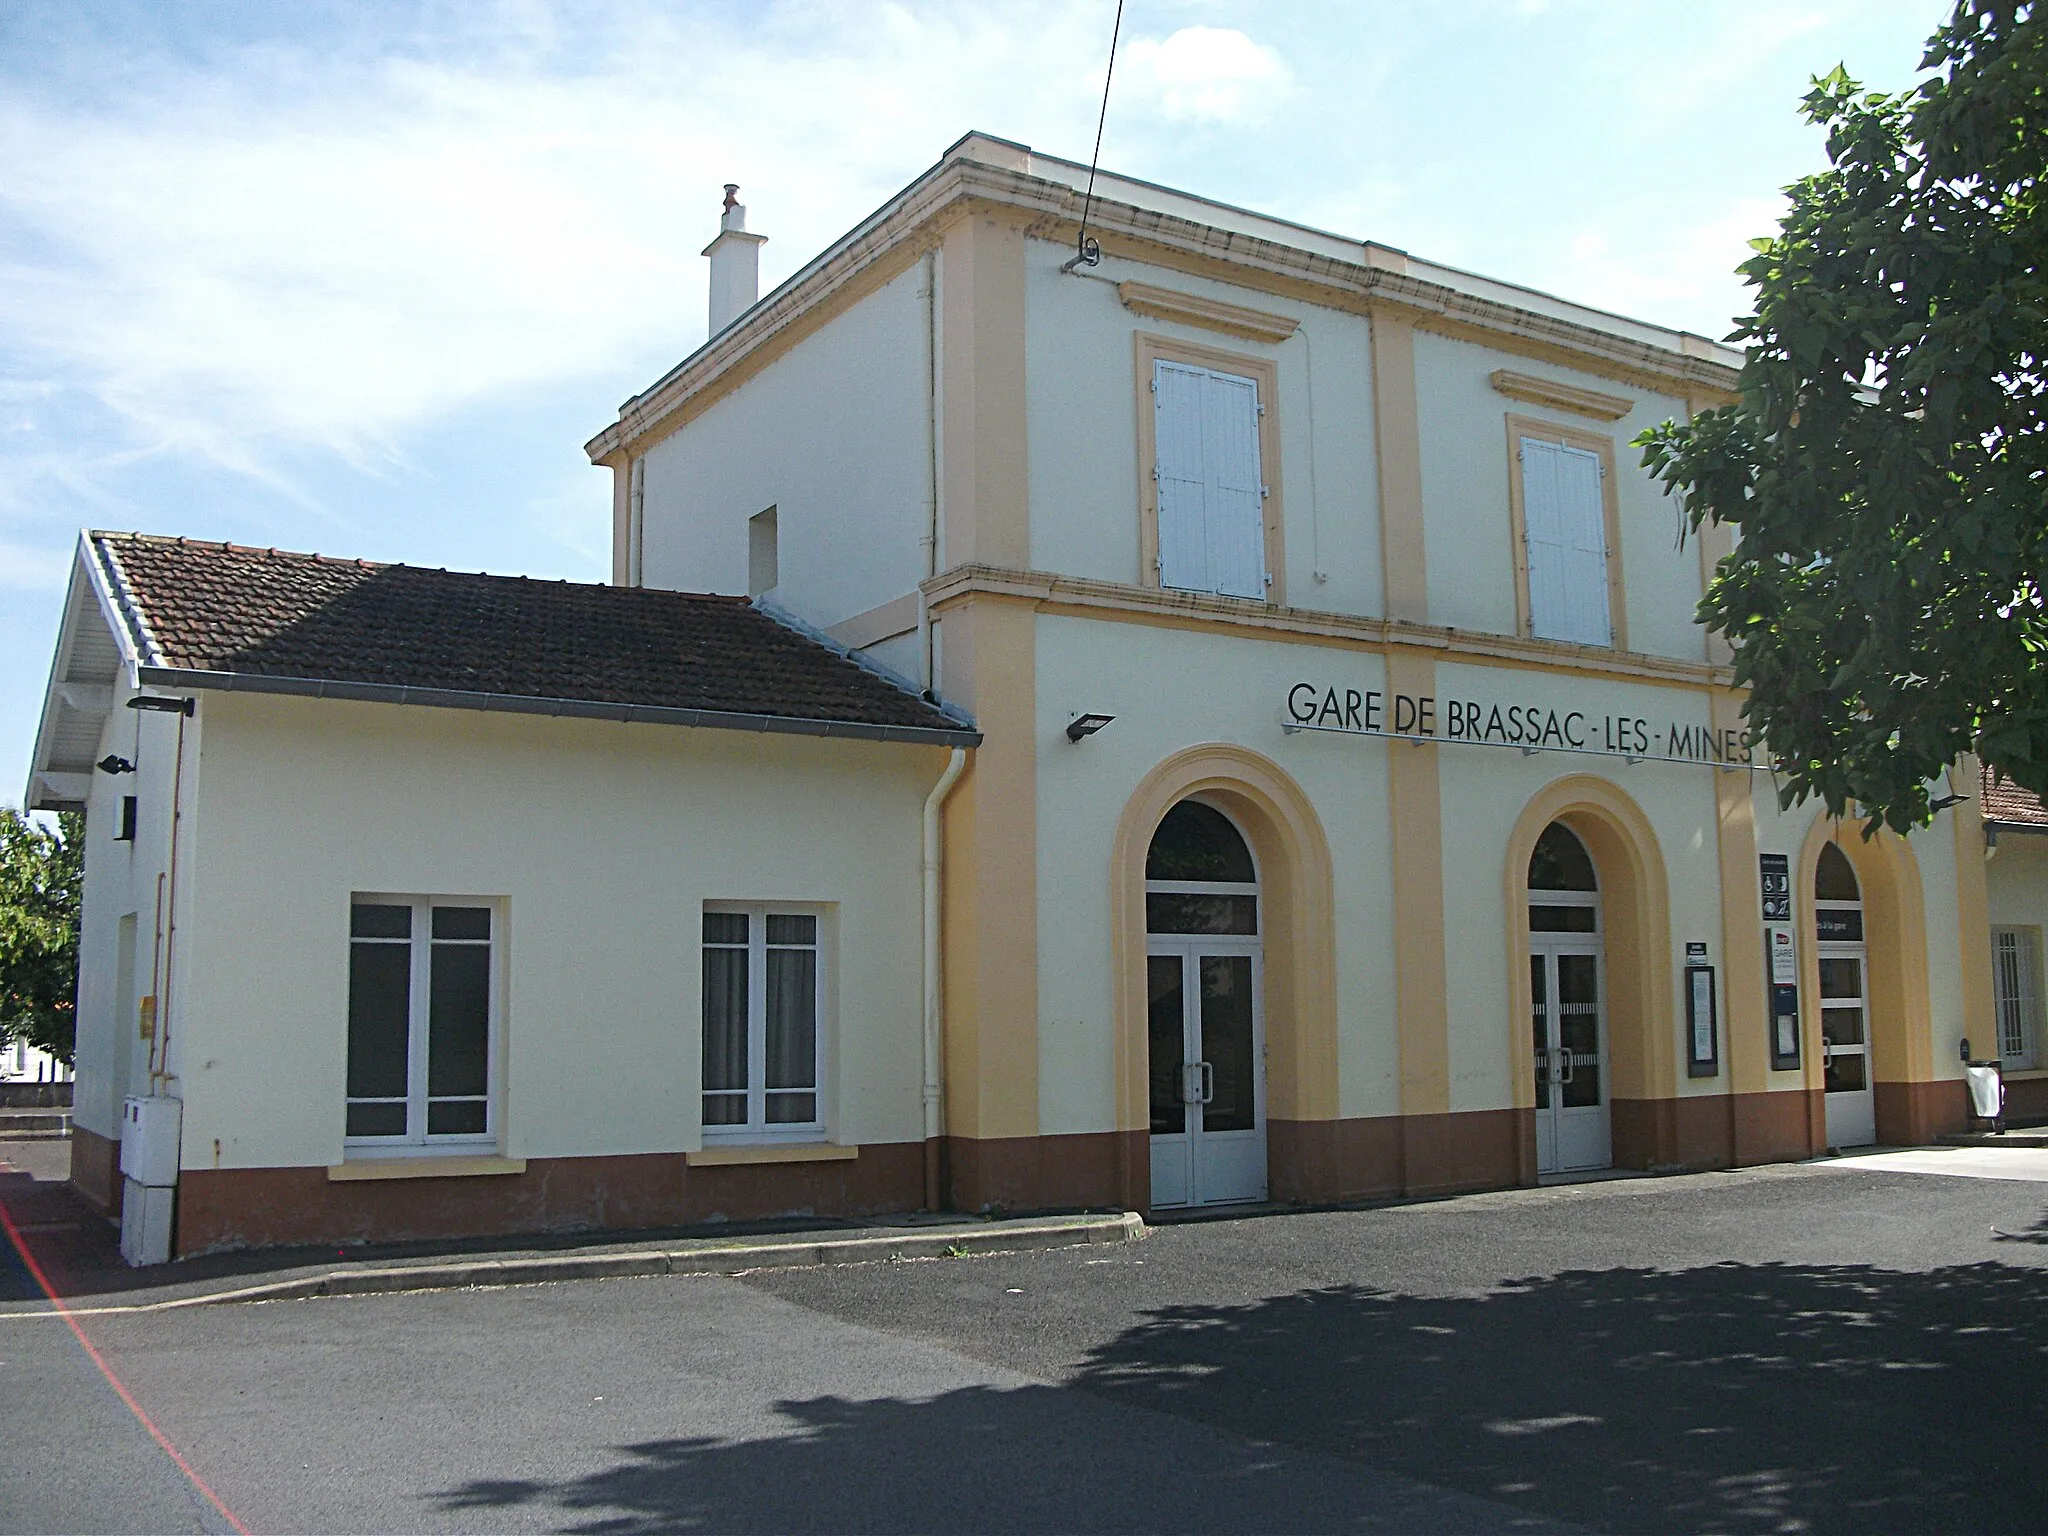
(1086,725)
(113,764)
(162,705)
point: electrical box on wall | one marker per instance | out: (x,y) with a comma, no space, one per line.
(149,1140)
(146,1223)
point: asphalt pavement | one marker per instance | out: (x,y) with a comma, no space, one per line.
(1772,1350)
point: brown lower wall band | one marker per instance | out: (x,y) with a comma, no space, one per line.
(1309,1162)
(271,1207)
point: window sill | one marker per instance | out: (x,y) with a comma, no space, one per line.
(423,1168)
(770,1152)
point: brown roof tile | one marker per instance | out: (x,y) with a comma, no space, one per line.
(2005,801)
(269,616)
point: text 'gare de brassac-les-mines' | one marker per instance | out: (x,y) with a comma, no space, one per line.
(1223,725)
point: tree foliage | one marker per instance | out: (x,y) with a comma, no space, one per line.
(1886,464)
(40,877)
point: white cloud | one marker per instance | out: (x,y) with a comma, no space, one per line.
(1207,74)
(284,250)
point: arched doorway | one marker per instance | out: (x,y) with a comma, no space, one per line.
(1205,1019)
(1568,1006)
(1844,964)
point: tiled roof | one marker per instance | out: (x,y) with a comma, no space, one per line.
(2005,801)
(273,621)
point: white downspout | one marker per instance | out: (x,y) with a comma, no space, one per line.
(934,1033)
(636,518)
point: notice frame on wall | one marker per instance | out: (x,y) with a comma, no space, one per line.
(1702,1015)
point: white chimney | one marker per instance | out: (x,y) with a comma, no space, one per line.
(735,264)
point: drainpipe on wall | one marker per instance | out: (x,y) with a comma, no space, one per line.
(636,522)
(934,1033)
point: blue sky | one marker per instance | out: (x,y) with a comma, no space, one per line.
(362,278)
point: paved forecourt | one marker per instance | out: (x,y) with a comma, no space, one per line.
(1776,1349)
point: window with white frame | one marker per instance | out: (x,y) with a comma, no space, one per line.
(2016,970)
(764,993)
(1564,534)
(1211,494)
(422,989)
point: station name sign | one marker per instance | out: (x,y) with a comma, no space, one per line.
(1533,727)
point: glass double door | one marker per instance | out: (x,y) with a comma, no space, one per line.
(1573,1123)
(1845,1045)
(1207,1070)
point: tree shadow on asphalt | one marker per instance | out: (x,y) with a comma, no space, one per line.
(1736,1398)
(982,1459)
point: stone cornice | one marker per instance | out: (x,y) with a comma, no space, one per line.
(915,219)
(1116,602)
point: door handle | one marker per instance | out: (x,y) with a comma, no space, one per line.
(1564,1061)
(1208,1081)
(1191,1082)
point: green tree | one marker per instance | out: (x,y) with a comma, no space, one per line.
(40,876)
(1886,464)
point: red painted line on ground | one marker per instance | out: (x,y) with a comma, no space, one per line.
(36,1270)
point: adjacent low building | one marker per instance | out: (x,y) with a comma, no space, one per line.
(1217,722)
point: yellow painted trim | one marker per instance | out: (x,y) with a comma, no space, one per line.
(1716,542)
(988,656)
(792,1152)
(1895,940)
(1148,349)
(1560,397)
(1745,1029)
(1299,923)
(1421,996)
(985,464)
(1635,912)
(1973,912)
(885,621)
(1397,429)
(1208,314)
(1520,427)
(422,1168)
(1085,597)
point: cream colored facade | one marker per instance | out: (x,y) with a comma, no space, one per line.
(219,975)
(999,490)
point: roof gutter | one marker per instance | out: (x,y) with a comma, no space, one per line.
(527,704)
(1993,827)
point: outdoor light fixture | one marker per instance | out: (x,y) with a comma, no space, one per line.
(113,764)
(1086,725)
(1943,802)
(162,705)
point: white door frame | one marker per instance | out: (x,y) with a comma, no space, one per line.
(1851,1112)
(1211,1167)
(1582,1138)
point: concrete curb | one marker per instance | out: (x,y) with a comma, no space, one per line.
(710,1257)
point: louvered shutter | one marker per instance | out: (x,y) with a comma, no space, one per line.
(1565,519)
(1212,525)
(1177,392)
(1237,524)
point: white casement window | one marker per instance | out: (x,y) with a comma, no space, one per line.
(1564,524)
(764,1010)
(2016,970)
(422,1017)
(1212,523)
